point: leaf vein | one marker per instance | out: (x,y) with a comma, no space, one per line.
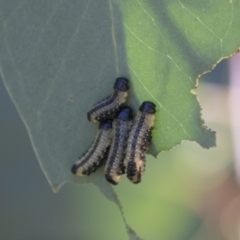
(160,105)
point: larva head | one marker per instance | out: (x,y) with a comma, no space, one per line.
(148,107)
(124,114)
(106,124)
(74,168)
(121,84)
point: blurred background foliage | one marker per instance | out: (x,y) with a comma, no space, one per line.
(188,193)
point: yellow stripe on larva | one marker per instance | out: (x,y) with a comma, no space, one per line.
(96,154)
(111,104)
(139,141)
(114,168)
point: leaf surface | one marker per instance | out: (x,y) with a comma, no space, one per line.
(58,58)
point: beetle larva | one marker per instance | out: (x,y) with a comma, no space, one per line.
(111,104)
(95,155)
(114,168)
(139,141)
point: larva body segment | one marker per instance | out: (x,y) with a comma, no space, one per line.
(114,168)
(139,141)
(111,104)
(97,153)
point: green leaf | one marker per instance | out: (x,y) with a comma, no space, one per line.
(58,58)
(169,44)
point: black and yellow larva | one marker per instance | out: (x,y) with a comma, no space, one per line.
(111,104)
(139,141)
(97,153)
(114,168)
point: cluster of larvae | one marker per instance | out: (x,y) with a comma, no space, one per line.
(120,143)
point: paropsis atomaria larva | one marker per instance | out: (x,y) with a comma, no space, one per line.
(139,141)
(114,168)
(97,153)
(111,104)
